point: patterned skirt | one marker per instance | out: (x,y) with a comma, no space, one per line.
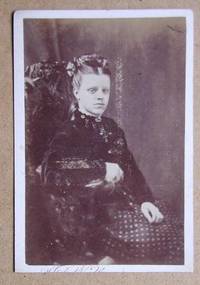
(131,239)
(80,233)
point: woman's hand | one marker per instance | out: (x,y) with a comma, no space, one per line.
(151,212)
(113,173)
(95,183)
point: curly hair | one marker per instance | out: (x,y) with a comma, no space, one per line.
(85,64)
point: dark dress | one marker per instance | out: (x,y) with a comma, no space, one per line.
(92,222)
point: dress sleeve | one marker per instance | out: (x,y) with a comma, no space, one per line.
(65,164)
(134,180)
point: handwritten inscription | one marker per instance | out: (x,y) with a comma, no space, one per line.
(75,268)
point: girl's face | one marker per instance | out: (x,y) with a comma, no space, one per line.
(93,93)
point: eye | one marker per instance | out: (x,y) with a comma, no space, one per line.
(106,90)
(92,90)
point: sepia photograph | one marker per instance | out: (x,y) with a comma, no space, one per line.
(103,140)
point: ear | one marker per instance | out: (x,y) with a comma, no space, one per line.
(75,92)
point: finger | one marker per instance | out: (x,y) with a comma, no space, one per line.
(108,178)
(147,215)
(121,174)
(115,178)
(159,220)
(159,217)
(90,185)
(154,214)
(150,217)
(94,183)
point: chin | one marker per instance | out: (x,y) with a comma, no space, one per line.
(97,114)
(98,111)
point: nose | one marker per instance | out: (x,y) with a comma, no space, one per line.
(100,94)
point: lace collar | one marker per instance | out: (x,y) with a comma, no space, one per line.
(78,115)
(93,123)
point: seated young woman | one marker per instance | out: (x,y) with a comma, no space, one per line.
(99,205)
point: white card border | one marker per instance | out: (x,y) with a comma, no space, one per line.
(19,135)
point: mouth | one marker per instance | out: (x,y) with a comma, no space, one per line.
(99,105)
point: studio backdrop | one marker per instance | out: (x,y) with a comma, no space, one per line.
(147,60)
